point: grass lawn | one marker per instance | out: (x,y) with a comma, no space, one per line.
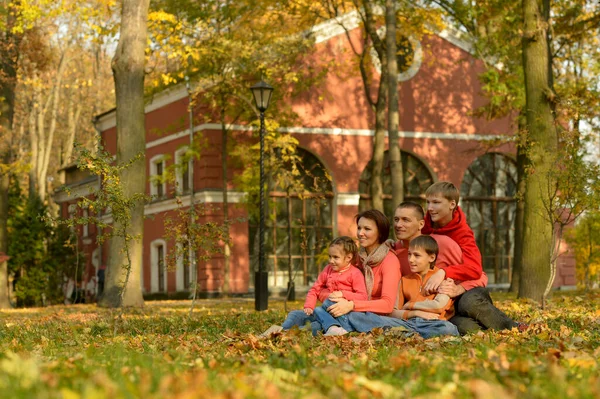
(71,352)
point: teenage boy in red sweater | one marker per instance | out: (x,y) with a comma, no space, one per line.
(474,308)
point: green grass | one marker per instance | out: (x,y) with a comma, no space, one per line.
(70,352)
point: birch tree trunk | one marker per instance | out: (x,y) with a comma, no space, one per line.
(542,142)
(42,138)
(394,153)
(128,72)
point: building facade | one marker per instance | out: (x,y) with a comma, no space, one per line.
(440,139)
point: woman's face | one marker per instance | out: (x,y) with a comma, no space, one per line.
(367,234)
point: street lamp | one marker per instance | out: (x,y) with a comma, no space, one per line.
(262,95)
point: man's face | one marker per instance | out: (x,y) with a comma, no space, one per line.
(407,224)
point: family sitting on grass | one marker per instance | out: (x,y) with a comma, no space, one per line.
(429,282)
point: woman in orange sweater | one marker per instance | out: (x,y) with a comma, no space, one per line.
(381,268)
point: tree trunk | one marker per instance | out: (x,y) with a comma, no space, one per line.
(380,106)
(542,140)
(519,227)
(4,185)
(394,153)
(9,53)
(128,71)
(379,141)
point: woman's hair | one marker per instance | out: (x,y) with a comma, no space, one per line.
(381,221)
(348,246)
(428,244)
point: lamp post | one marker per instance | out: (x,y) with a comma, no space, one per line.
(262,95)
(191,251)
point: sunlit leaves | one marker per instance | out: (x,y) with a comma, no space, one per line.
(216,352)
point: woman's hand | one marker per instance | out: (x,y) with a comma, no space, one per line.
(341,307)
(434,282)
(451,289)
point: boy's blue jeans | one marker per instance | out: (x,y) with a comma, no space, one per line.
(365,322)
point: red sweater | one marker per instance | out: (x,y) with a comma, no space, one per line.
(350,281)
(386,278)
(459,231)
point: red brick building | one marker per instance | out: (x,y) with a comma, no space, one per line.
(439,137)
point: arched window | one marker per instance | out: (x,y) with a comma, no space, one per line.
(488,199)
(299,226)
(417,178)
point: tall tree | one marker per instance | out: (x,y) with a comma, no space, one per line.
(128,69)
(416,21)
(542,145)
(9,51)
(393,112)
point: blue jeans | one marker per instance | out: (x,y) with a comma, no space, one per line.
(327,320)
(298,318)
(365,322)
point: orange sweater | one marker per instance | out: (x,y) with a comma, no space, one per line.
(411,298)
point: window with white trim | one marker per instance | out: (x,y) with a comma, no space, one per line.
(183,175)
(158,187)
(158,266)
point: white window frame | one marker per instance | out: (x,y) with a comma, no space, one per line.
(156,160)
(179,178)
(154,266)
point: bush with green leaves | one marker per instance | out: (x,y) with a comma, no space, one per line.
(41,254)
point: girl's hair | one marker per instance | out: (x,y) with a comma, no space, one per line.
(348,246)
(381,221)
(428,244)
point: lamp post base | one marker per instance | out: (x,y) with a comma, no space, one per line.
(261,291)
